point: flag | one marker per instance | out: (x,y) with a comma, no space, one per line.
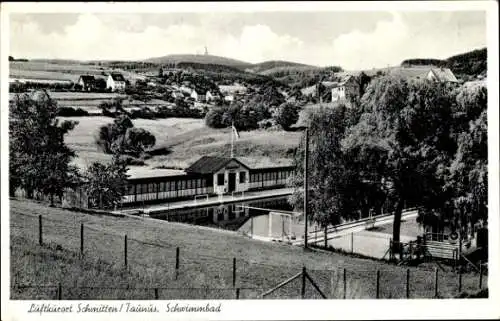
(235,131)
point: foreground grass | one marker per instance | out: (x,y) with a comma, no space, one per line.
(205,259)
(187,139)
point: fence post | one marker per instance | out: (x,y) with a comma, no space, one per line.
(352,242)
(157,295)
(177,262)
(480,275)
(407,283)
(332,284)
(303,290)
(390,249)
(125,251)
(459,280)
(436,283)
(234,272)
(378,284)
(40,239)
(81,239)
(59,291)
(237,293)
(345,284)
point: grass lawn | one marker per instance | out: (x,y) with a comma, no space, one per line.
(187,139)
(205,259)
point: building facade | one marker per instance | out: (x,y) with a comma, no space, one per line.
(116,82)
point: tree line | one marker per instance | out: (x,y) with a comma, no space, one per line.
(406,142)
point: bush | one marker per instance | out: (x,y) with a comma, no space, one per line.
(71,112)
(144,113)
(286,115)
(121,136)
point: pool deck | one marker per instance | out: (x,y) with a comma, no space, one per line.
(209,201)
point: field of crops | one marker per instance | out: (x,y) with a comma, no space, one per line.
(52,71)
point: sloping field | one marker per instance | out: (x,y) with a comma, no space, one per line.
(188,139)
(206,257)
(59,71)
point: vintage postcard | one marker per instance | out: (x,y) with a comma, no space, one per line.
(249,160)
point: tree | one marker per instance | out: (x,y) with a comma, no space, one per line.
(137,140)
(123,138)
(106,184)
(39,158)
(287,115)
(333,183)
(402,139)
(467,174)
(213,118)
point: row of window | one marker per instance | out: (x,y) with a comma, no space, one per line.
(186,184)
(169,186)
(259,177)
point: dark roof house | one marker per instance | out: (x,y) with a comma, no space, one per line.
(425,72)
(117,76)
(211,164)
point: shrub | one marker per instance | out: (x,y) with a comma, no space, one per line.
(286,115)
(71,112)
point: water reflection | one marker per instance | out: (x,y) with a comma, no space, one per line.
(226,216)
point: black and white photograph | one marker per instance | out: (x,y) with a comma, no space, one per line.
(177,162)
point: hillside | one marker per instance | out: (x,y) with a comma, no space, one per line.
(199,59)
(465,65)
(205,261)
(266,65)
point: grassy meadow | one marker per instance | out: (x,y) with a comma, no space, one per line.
(57,71)
(205,269)
(185,140)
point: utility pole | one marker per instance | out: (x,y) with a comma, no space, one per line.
(306,186)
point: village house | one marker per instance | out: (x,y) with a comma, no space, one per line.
(87,82)
(212,96)
(116,82)
(231,92)
(198,97)
(345,90)
(430,73)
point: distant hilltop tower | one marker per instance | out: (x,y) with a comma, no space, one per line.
(206,50)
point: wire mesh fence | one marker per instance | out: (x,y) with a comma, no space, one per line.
(169,273)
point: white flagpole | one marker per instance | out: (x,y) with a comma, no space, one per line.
(232,139)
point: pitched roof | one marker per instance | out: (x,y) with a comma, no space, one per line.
(210,164)
(444,74)
(421,72)
(87,78)
(117,76)
(410,72)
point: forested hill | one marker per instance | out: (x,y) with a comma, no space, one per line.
(466,65)
(271,64)
(187,59)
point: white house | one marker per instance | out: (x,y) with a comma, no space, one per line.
(228,174)
(346,89)
(116,82)
(199,97)
(211,96)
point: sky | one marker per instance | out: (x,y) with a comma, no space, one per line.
(352,40)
